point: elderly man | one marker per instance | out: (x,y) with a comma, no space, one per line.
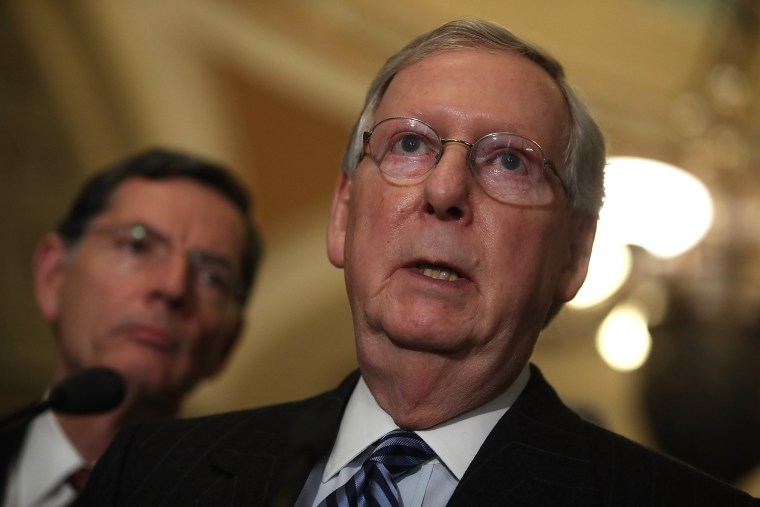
(147,275)
(463,219)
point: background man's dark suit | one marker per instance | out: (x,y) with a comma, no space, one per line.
(539,454)
(10,444)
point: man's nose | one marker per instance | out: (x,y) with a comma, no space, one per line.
(449,184)
(173,278)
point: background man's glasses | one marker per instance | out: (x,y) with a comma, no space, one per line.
(136,248)
(510,167)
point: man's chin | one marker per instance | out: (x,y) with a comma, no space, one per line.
(436,338)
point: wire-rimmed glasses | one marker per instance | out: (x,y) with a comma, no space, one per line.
(510,167)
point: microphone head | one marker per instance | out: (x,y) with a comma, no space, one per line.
(91,391)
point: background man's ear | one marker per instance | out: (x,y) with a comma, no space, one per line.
(49,269)
(232,341)
(336,226)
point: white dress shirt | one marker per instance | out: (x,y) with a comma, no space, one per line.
(455,443)
(47,458)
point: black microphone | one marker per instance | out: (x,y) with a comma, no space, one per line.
(91,391)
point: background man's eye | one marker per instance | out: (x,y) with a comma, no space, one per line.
(138,245)
(216,279)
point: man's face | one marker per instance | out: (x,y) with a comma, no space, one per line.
(513,261)
(152,321)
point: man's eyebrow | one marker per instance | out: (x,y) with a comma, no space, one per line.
(137,228)
(213,257)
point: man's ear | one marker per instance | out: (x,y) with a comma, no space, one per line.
(49,266)
(583,230)
(338,223)
(232,341)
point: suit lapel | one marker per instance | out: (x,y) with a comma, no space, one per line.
(230,478)
(533,457)
(274,473)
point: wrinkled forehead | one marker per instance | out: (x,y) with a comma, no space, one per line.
(500,90)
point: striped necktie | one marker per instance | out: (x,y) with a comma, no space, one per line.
(397,453)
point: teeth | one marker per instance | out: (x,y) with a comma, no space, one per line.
(438,272)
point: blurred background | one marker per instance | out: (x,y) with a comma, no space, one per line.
(666,349)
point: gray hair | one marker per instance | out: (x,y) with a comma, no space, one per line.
(584,157)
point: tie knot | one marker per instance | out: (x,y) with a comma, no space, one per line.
(78,479)
(397,453)
(400,451)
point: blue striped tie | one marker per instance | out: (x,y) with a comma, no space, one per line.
(397,453)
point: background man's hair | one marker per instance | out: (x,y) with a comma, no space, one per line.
(162,164)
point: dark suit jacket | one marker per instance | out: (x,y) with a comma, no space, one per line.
(539,454)
(10,444)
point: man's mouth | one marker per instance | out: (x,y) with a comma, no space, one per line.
(438,272)
(156,336)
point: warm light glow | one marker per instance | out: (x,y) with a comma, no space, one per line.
(623,340)
(655,205)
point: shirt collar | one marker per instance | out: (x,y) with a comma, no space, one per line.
(455,442)
(46,459)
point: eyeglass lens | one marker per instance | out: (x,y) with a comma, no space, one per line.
(137,248)
(508,166)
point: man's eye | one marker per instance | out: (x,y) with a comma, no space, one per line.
(139,245)
(410,143)
(215,278)
(510,162)
(134,246)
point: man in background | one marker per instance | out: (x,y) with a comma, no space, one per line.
(148,275)
(463,219)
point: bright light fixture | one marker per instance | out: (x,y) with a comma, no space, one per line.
(654,205)
(623,340)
